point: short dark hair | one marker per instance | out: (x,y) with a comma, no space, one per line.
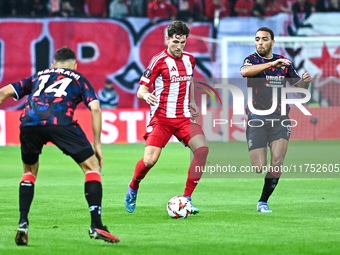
(178,28)
(267,29)
(64,54)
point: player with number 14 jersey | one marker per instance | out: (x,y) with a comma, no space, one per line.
(53,95)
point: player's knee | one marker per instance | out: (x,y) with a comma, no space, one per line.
(150,161)
(277,161)
(258,168)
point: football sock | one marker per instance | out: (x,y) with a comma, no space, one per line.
(270,182)
(26,193)
(93,194)
(140,172)
(199,159)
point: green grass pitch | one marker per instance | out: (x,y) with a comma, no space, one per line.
(305,218)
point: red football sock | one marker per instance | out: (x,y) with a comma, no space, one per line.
(276,173)
(140,171)
(199,160)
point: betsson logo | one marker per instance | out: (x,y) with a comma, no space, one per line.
(180,78)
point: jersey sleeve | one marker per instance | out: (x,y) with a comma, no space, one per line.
(193,63)
(248,61)
(23,87)
(88,92)
(149,76)
(292,76)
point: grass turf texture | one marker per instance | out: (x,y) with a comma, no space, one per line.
(305,218)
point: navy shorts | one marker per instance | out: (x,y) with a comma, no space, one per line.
(70,139)
(261,132)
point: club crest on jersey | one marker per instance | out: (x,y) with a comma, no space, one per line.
(149,129)
(147,73)
(175,78)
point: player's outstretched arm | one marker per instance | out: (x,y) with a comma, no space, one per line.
(6,92)
(250,71)
(144,94)
(195,113)
(97,129)
(306,78)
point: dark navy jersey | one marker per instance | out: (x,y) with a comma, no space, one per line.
(53,95)
(264,82)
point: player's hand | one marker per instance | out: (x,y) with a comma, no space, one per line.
(306,77)
(194,113)
(151,98)
(281,62)
(99,155)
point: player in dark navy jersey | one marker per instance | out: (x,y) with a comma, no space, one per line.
(52,96)
(266,71)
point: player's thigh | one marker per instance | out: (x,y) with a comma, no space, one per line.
(151,155)
(278,141)
(278,150)
(186,132)
(32,140)
(72,141)
(90,164)
(258,159)
(257,146)
(197,141)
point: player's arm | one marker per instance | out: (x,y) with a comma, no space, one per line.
(97,129)
(6,92)
(193,105)
(144,94)
(252,70)
(305,81)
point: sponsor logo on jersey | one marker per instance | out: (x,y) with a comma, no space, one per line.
(275,81)
(180,78)
(173,69)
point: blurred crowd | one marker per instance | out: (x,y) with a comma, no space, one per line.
(186,10)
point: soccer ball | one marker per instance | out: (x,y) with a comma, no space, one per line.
(179,207)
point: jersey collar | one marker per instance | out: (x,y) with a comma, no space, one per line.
(263,57)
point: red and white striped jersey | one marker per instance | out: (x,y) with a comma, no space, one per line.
(171,78)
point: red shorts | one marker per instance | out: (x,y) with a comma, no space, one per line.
(160,130)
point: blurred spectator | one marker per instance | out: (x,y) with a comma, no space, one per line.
(95,8)
(24,8)
(302,9)
(243,7)
(334,6)
(272,8)
(108,97)
(137,8)
(67,10)
(286,5)
(199,9)
(259,9)
(54,7)
(160,9)
(118,9)
(328,6)
(220,8)
(39,8)
(2,8)
(186,11)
